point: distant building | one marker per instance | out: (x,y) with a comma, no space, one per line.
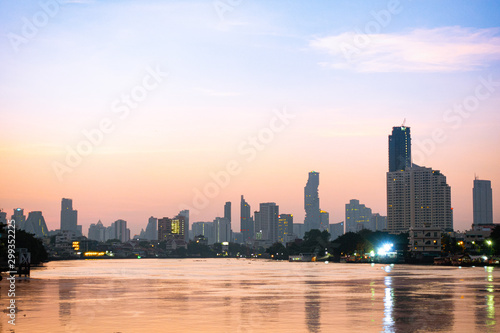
(336,230)
(299,230)
(311,202)
(170,229)
(482,201)
(185,214)
(120,231)
(205,229)
(357,216)
(378,222)
(416,196)
(35,224)
(19,218)
(69,216)
(97,232)
(399,149)
(266,222)
(222,230)
(324,218)
(285,228)
(247,226)
(3,217)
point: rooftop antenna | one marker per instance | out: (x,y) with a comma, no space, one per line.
(404,122)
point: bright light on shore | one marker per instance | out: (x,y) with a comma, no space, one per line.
(384,249)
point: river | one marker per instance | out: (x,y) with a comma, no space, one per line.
(251,295)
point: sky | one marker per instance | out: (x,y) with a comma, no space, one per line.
(144,108)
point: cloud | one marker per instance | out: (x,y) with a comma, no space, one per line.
(445,49)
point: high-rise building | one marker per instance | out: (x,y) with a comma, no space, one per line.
(3,217)
(97,232)
(246,222)
(185,214)
(266,221)
(227,211)
(222,230)
(69,216)
(357,216)
(311,202)
(285,228)
(399,149)
(336,230)
(120,231)
(151,232)
(482,201)
(35,224)
(205,229)
(171,229)
(378,222)
(416,197)
(324,218)
(19,218)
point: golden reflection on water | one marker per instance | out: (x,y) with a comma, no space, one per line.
(229,295)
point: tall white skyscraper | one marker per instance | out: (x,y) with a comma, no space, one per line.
(418,196)
(482,200)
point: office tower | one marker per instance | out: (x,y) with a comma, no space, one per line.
(285,228)
(97,232)
(19,218)
(171,229)
(35,224)
(227,211)
(266,221)
(336,230)
(357,216)
(311,202)
(324,219)
(246,222)
(120,231)
(222,230)
(151,232)
(69,217)
(185,214)
(399,149)
(205,229)
(482,201)
(416,197)
(299,230)
(378,222)
(3,217)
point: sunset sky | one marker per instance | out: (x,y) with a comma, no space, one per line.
(173,92)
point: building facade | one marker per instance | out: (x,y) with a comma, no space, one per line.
(357,216)
(247,226)
(311,202)
(482,201)
(399,149)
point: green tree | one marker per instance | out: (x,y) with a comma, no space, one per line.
(278,251)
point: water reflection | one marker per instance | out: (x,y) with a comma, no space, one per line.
(312,307)
(66,295)
(388,305)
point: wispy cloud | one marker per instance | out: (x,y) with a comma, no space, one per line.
(443,49)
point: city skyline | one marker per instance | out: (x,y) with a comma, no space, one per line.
(133,118)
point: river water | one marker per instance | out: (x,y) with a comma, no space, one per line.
(250,295)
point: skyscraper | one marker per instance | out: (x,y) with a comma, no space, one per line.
(171,229)
(185,214)
(69,217)
(482,201)
(311,202)
(204,229)
(246,222)
(285,228)
(152,229)
(417,197)
(97,232)
(19,218)
(222,230)
(35,224)
(357,216)
(399,149)
(266,221)
(324,218)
